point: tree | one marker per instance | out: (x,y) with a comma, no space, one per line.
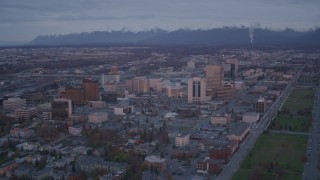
(36,164)
(73,168)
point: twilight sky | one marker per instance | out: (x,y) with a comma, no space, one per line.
(22,20)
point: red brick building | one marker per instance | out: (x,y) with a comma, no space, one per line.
(209,166)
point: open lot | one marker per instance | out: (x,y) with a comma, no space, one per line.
(296,112)
(274,156)
(300,99)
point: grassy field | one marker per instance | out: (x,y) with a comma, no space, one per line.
(296,112)
(274,156)
(294,123)
(300,98)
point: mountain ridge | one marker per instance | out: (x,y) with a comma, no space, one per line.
(217,36)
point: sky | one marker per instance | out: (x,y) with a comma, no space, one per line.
(23,20)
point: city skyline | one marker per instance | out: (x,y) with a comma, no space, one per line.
(23,21)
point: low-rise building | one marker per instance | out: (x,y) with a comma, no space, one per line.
(98,117)
(123,110)
(91,163)
(75,130)
(156,162)
(182,139)
(26,113)
(238,131)
(221,119)
(208,165)
(250,117)
(11,104)
(21,132)
(42,174)
(174,91)
(8,167)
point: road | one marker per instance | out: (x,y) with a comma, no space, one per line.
(311,170)
(263,124)
(289,132)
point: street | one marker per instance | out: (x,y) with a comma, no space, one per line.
(248,143)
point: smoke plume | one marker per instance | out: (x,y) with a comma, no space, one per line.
(251,31)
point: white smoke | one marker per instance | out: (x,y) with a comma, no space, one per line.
(251,31)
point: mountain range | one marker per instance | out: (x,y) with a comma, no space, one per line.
(218,36)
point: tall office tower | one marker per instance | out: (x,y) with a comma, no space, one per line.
(196,90)
(61,109)
(90,90)
(233,67)
(261,105)
(76,94)
(214,79)
(138,84)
